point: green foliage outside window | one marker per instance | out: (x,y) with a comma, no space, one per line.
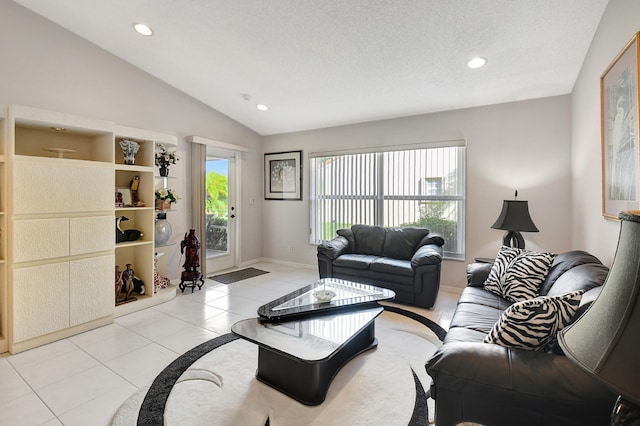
(217,194)
(217,205)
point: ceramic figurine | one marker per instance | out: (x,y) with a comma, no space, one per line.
(118,282)
(129,149)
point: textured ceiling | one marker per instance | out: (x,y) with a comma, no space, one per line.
(320,63)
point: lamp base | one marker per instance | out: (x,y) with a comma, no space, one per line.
(625,413)
(513,239)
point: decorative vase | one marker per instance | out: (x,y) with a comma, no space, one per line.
(164,171)
(163,230)
(129,149)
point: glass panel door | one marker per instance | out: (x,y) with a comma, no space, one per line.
(219,213)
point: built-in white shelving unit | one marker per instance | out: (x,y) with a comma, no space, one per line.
(58,176)
(140,254)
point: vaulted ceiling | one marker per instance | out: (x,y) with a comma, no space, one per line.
(321,63)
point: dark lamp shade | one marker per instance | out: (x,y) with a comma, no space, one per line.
(605,340)
(515,217)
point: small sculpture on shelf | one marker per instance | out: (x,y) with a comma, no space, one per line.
(127,283)
(165,158)
(190,247)
(119,282)
(127,234)
(129,150)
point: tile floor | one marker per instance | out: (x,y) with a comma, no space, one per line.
(83,380)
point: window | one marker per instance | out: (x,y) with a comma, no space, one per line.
(410,187)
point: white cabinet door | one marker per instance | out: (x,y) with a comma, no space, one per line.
(37,239)
(91,234)
(61,187)
(91,289)
(40,300)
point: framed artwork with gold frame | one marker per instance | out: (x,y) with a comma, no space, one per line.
(620,129)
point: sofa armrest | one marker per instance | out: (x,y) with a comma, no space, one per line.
(431,238)
(429,254)
(473,367)
(334,248)
(477,273)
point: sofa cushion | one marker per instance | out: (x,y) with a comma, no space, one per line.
(355,261)
(392,266)
(480,296)
(401,243)
(369,239)
(562,263)
(582,277)
(475,317)
(534,324)
(517,274)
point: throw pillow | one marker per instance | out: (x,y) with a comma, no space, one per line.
(517,274)
(506,254)
(534,324)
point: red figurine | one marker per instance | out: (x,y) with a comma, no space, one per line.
(191,246)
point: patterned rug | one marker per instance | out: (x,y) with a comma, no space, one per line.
(235,276)
(215,384)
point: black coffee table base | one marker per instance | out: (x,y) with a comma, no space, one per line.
(308,381)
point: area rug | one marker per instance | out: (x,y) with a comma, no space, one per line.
(235,276)
(215,384)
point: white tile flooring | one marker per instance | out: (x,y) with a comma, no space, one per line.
(83,380)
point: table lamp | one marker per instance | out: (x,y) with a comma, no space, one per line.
(515,218)
(605,340)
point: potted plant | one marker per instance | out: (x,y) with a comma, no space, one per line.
(164,198)
(165,158)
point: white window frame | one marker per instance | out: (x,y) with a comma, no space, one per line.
(380,198)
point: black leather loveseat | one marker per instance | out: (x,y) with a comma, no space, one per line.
(494,385)
(405,260)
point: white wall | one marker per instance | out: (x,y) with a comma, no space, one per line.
(48,67)
(590,230)
(522,145)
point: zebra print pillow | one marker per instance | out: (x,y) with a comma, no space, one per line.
(534,324)
(516,274)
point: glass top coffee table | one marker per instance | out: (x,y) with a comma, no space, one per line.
(303,302)
(303,342)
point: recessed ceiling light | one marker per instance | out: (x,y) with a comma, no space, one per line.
(477,62)
(143,29)
(262,107)
(58,129)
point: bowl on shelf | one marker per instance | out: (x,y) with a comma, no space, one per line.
(324,296)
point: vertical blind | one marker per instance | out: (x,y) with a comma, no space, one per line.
(410,187)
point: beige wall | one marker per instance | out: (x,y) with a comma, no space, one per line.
(522,145)
(549,149)
(590,231)
(48,67)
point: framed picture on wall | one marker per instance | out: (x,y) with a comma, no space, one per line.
(283,176)
(619,126)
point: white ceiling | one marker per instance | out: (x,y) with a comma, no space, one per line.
(321,63)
